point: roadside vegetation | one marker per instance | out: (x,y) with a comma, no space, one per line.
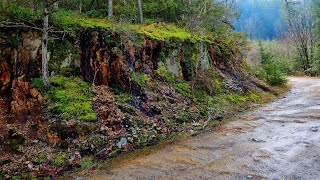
(103,78)
(293,53)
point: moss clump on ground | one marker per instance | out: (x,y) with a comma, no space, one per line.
(87,162)
(40,158)
(69,96)
(60,159)
(140,78)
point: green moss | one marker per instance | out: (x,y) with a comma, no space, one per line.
(140,78)
(58,81)
(237,99)
(123,97)
(91,117)
(71,21)
(163,72)
(86,162)
(60,159)
(40,158)
(179,85)
(183,88)
(164,32)
(184,117)
(191,54)
(69,96)
(2,175)
(59,95)
(114,152)
(253,97)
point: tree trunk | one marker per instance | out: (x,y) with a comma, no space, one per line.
(80,7)
(110,10)
(55,5)
(45,30)
(140,11)
(4,3)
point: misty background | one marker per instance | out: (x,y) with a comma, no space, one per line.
(261,19)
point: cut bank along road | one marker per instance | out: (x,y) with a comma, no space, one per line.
(278,141)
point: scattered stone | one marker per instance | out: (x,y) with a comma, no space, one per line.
(77,157)
(70,160)
(299,121)
(72,123)
(128,147)
(314,129)
(249,176)
(123,141)
(257,140)
(30,166)
(195,124)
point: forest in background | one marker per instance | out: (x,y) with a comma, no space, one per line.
(261,19)
(87,80)
(83,80)
(292,49)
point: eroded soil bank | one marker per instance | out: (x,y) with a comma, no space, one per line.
(278,141)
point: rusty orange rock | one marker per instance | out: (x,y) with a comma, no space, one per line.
(34,92)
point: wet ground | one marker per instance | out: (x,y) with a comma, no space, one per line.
(278,141)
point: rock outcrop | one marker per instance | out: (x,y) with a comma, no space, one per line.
(142,91)
(20,105)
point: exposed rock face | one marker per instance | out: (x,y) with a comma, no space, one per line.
(150,55)
(104,62)
(20,105)
(95,66)
(130,113)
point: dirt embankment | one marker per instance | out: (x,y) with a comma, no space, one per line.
(277,141)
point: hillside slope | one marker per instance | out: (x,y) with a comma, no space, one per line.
(114,88)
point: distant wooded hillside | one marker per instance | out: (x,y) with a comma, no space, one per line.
(261,19)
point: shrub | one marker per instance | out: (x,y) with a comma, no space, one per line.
(270,70)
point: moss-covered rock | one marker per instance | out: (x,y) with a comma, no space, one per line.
(70,98)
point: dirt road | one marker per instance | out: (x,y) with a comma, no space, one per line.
(278,141)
